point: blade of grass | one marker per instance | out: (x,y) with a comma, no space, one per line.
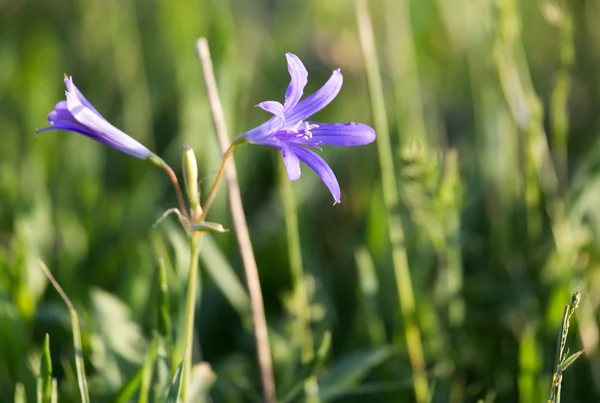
(148,371)
(79,363)
(412,333)
(175,388)
(165,327)
(45,376)
(127,391)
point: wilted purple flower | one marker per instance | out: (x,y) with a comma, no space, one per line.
(289,132)
(77,114)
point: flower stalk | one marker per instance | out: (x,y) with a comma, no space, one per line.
(190,309)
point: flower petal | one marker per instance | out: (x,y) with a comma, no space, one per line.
(318,100)
(299,79)
(262,132)
(273,107)
(292,163)
(101,130)
(74,90)
(341,134)
(318,164)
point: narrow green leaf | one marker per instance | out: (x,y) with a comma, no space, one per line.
(165,326)
(148,371)
(349,371)
(208,226)
(173,395)
(569,360)
(79,363)
(127,391)
(45,376)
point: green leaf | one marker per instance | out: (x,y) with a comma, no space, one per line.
(568,361)
(45,376)
(165,326)
(350,371)
(147,371)
(208,226)
(79,362)
(127,391)
(173,394)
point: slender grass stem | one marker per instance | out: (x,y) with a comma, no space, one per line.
(79,363)
(406,298)
(241,227)
(190,310)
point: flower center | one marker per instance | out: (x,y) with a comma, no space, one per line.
(304,133)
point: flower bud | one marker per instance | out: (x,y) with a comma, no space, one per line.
(190,177)
(207,226)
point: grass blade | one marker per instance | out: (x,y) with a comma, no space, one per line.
(412,333)
(79,363)
(45,376)
(147,372)
(175,389)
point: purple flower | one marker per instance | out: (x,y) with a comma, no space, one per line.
(77,114)
(289,131)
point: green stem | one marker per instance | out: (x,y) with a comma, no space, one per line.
(407,305)
(302,306)
(215,187)
(190,309)
(161,164)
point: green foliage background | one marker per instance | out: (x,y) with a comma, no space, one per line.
(492,114)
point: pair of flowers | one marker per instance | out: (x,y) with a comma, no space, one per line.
(288,130)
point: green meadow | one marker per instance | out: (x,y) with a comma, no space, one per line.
(462,264)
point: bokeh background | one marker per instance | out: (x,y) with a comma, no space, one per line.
(487,108)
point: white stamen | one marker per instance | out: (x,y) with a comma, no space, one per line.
(295,128)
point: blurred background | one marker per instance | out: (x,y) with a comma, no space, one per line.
(485,109)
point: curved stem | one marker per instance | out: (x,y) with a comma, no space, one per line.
(215,187)
(156,160)
(190,310)
(175,182)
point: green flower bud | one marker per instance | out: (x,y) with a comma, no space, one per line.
(208,226)
(190,177)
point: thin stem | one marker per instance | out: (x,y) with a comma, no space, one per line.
(175,182)
(241,227)
(412,333)
(190,310)
(79,362)
(156,160)
(215,187)
(302,309)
